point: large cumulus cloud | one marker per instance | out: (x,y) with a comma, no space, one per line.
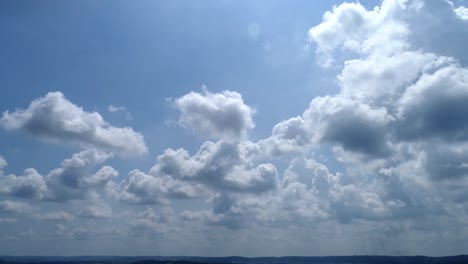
(216,115)
(227,165)
(219,166)
(29,185)
(54,118)
(74,180)
(397,128)
(401,96)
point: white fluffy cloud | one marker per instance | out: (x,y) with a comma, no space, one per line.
(144,188)
(216,115)
(396,127)
(350,27)
(73,180)
(54,118)
(227,165)
(288,136)
(436,105)
(399,97)
(354,125)
(29,185)
(462,12)
(220,166)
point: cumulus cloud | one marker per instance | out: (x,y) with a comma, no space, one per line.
(144,188)
(221,165)
(462,12)
(30,185)
(288,136)
(74,179)
(96,212)
(354,125)
(56,119)
(153,222)
(400,103)
(14,207)
(396,126)
(427,17)
(350,27)
(302,197)
(435,105)
(216,166)
(216,115)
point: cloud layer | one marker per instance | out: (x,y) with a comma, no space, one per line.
(383,162)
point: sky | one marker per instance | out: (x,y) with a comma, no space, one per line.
(252,128)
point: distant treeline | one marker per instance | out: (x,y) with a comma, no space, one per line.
(462,259)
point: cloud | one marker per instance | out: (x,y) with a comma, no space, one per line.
(353,125)
(435,105)
(114,109)
(73,180)
(301,198)
(400,104)
(55,216)
(14,207)
(216,115)
(54,118)
(395,129)
(427,17)
(254,30)
(220,165)
(350,27)
(144,188)
(386,155)
(8,220)
(3,163)
(96,212)
(30,185)
(153,221)
(83,231)
(462,12)
(288,136)
(339,120)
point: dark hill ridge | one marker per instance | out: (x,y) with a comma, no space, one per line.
(461,259)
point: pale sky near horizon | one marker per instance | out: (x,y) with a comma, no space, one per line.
(214,128)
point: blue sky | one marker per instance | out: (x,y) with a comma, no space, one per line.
(139,54)
(233,128)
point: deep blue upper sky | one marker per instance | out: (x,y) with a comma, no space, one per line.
(139,54)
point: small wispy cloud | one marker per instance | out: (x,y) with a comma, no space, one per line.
(123,109)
